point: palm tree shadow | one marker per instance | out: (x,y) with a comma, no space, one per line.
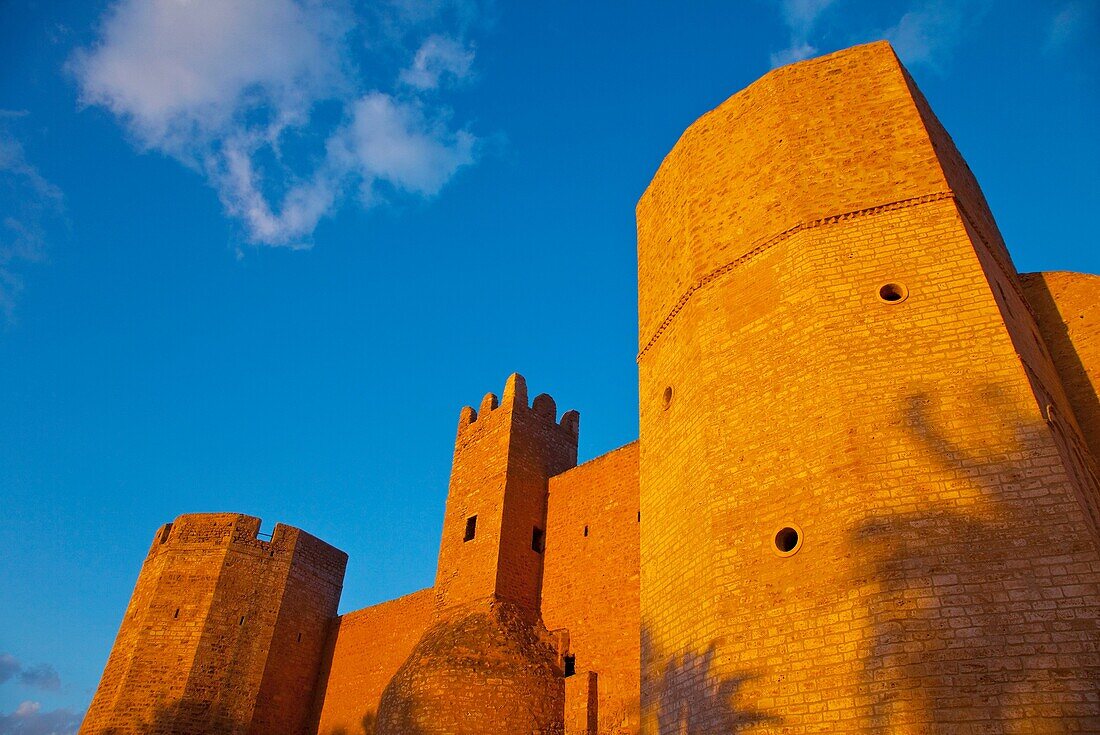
(689,697)
(957,598)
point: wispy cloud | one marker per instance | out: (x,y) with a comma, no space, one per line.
(29,719)
(929,33)
(1070,23)
(801,16)
(925,34)
(40,676)
(9,667)
(29,204)
(287,106)
(437,60)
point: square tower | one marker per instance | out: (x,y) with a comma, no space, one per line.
(495,522)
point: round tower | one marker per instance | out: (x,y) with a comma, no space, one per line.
(858,491)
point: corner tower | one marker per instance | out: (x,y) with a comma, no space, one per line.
(865,501)
(224,632)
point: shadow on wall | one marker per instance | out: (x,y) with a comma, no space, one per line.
(962,631)
(185,717)
(687,697)
(191,718)
(1075,378)
(370,719)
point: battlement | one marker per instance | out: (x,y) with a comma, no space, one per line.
(241,533)
(514,399)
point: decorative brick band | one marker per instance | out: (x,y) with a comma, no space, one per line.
(770,242)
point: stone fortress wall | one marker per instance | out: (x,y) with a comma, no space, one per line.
(223,628)
(844,391)
(864,497)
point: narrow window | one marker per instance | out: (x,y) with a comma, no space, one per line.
(586,531)
(471,528)
(570,665)
(299,637)
(639,516)
(176,616)
(538,539)
(242,621)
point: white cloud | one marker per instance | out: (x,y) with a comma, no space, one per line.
(925,34)
(25,709)
(929,32)
(29,719)
(438,58)
(801,16)
(271,100)
(794,53)
(29,205)
(398,143)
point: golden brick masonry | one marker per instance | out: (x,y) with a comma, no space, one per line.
(864,496)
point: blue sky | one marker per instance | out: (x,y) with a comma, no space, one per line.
(256,255)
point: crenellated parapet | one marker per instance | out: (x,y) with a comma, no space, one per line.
(514,399)
(241,533)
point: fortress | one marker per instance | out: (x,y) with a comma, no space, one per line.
(864,496)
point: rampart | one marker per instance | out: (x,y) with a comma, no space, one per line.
(864,497)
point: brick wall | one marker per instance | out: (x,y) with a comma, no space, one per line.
(590,588)
(210,642)
(866,480)
(365,649)
(482,668)
(947,574)
(1067,306)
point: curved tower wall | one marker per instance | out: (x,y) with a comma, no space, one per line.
(224,632)
(923,447)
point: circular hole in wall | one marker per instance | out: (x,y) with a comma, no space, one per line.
(893,293)
(666,398)
(788,540)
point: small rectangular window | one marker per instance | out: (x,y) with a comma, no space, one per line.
(586,531)
(471,528)
(538,539)
(570,665)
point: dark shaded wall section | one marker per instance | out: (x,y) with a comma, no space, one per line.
(1067,310)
